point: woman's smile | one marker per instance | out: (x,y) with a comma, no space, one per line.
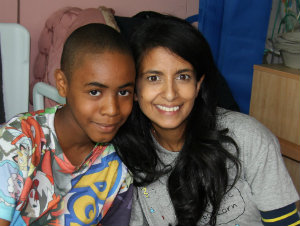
(167,108)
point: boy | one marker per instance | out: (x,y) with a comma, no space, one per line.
(56,165)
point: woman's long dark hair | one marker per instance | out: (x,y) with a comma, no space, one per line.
(200,175)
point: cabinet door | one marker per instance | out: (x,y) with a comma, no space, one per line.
(275,101)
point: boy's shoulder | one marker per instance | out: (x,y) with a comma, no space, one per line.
(40,117)
(23,130)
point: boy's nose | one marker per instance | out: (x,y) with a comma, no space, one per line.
(110,106)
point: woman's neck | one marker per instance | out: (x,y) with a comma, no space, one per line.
(170,139)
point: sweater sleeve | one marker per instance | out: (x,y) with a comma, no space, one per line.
(262,163)
(287,215)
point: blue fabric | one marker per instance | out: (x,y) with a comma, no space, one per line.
(236,31)
(270,218)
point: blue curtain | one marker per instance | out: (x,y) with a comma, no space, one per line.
(236,31)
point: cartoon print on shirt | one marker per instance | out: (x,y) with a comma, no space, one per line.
(83,209)
(12,183)
(232,207)
(15,185)
(41,189)
(20,139)
(31,137)
(22,158)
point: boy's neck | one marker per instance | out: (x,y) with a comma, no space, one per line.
(74,144)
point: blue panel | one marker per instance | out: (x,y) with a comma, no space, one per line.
(236,31)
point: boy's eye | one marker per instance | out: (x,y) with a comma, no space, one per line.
(95,93)
(183,77)
(153,78)
(124,93)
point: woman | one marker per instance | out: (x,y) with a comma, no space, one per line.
(197,164)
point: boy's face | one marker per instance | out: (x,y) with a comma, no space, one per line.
(100,94)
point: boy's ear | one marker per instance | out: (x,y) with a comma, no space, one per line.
(61,82)
(135,98)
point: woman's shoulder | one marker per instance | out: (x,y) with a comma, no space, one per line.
(237,121)
(244,129)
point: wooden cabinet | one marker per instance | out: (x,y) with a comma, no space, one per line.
(275,102)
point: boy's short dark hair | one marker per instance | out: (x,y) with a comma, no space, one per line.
(91,38)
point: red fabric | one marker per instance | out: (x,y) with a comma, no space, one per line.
(57,28)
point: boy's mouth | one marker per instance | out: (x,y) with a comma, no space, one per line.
(107,128)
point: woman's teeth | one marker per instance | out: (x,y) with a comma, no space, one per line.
(164,108)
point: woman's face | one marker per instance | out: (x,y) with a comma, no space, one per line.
(166,88)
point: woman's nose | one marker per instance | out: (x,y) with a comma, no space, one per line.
(170,90)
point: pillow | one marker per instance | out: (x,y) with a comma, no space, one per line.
(108,14)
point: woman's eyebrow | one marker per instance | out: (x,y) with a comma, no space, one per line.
(152,72)
(185,70)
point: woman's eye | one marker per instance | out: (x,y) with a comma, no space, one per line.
(94,93)
(124,93)
(153,78)
(183,77)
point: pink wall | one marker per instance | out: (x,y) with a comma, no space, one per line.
(8,11)
(34,13)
